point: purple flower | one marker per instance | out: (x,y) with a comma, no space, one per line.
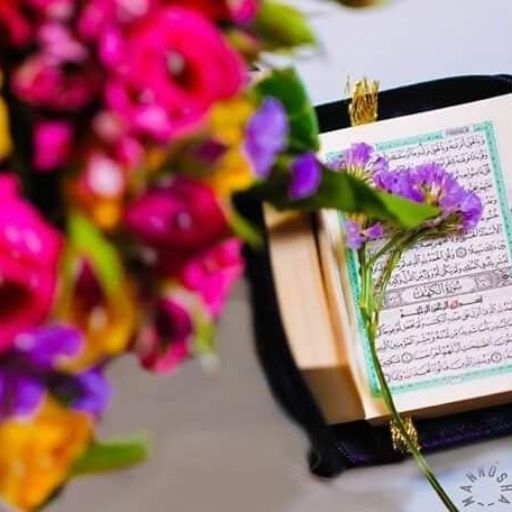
(400,183)
(47,346)
(359,159)
(306,176)
(432,184)
(32,368)
(88,391)
(357,235)
(266,136)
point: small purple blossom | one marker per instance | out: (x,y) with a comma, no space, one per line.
(34,367)
(360,159)
(306,176)
(88,391)
(432,184)
(357,235)
(266,136)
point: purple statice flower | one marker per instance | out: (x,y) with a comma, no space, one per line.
(356,235)
(431,184)
(306,176)
(32,368)
(266,136)
(359,159)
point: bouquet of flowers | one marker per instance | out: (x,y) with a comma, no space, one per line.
(126,129)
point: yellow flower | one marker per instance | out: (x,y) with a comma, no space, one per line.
(107,323)
(233,171)
(97,296)
(36,456)
(232,174)
(5,138)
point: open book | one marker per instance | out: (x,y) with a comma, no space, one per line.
(445,339)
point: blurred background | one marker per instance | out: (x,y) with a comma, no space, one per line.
(220,443)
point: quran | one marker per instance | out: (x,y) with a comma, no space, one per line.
(445,336)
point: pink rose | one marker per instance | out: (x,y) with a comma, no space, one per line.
(169,68)
(165,342)
(210,272)
(183,216)
(29,257)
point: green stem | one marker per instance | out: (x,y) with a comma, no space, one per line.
(371,311)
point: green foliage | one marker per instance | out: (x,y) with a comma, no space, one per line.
(286,85)
(112,455)
(282,26)
(86,239)
(243,229)
(341,191)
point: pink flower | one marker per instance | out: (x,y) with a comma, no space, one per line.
(212,272)
(164,342)
(169,68)
(183,215)
(13,24)
(239,11)
(29,257)
(53,9)
(52,144)
(44,81)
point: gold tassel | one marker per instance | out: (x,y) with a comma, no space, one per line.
(363,108)
(397,438)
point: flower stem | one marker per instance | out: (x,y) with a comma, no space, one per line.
(371,309)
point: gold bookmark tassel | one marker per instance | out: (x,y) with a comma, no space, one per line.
(397,438)
(363,108)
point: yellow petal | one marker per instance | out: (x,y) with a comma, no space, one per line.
(37,454)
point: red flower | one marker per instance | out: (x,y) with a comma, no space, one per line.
(165,341)
(29,257)
(239,11)
(183,216)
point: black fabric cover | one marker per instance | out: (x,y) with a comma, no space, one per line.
(339,447)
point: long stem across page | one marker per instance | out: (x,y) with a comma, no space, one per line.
(370,309)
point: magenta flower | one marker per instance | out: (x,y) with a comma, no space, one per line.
(239,11)
(164,342)
(32,369)
(168,69)
(183,215)
(29,257)
(212,272)
(356,235)
(14,26)
(430,183)
(46,82)
(306,176)
(52,144)
(267,136)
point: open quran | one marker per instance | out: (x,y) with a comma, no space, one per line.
(445,336)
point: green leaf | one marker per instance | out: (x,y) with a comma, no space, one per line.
(286,86)
(243,229)
(282,26)
(85,238)
(111,455)
(341,191)
(204,341)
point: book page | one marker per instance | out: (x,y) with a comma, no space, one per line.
(446,321)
